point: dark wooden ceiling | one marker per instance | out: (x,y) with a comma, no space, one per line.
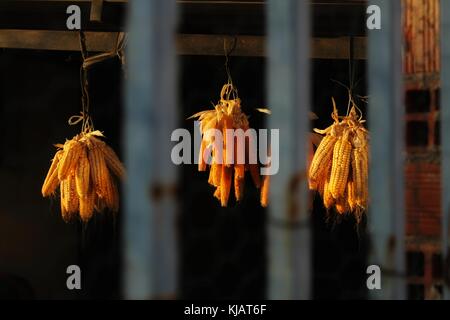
(330,17)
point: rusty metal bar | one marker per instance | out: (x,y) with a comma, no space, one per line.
(149,238)
(386,123)
(289,235)
(445,141)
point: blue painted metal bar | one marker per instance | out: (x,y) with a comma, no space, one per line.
(386,124)
(288,82)
(445,139)
(149,237)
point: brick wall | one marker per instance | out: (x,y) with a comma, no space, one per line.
(423,196)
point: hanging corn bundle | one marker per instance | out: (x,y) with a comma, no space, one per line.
(339,168)
(227,171)
(85,168)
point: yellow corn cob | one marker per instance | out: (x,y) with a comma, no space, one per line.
(351,195)
(209,123)
(63,196)
(322,156)
(113,162)
(239,166)
(319,183)
(341,166)
(217,193)
(239,170)
(72,151)
(211,175)
(342,206)
(265,188)
(112,194)
(217,174)
(99,170)
(227,124)
(87,204)
(72,201)
(359,173)
(100,203)
(111,158)
(51,181)
(364,162)
(201,159)
(238,183)
(366,176)
(328,200)
(225,185)
(82,174)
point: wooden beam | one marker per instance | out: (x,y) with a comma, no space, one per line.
(56,40)
(187,44)
(330,18)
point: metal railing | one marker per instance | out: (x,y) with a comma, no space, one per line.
(150,251)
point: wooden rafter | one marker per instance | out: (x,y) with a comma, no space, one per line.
(187,44)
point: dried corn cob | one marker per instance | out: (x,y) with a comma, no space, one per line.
(87,206)
(322,156)
(82,174)
(201,157)
(239,174)
(100,172)
(342,205)
(51,181)
(227,115)
(328,199)
(340,168)
(72,151)
(265,189)
(64,195)
(111,194)
(72,203)
(112,161)
(238,187)
(225,185)
(340,176)
(218,193)
(85,163)
(351,198)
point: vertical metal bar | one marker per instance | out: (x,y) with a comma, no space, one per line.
(445,139)
(386,122)
(288,82)
(149,237)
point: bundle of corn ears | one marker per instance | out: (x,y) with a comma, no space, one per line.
(339,168)
(227,114)
(86,169)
